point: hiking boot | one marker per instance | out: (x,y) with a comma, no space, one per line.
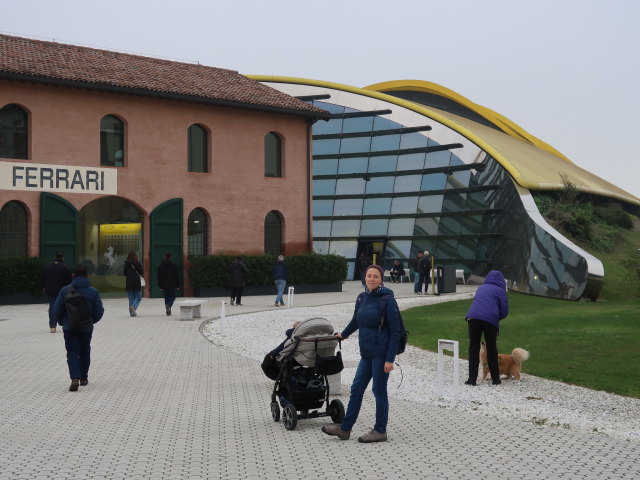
(167,309)
(470,382)
(74,384)
(496,382)
(84,382)
(336,431)
(132,311)
(373,436)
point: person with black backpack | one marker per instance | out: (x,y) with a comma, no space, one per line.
(77,308)
(381,337)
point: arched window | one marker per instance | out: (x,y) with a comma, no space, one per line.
(13,230)
(14,132)
(272,155)
(273,233)
(111,142)
(198,150)
(197,232)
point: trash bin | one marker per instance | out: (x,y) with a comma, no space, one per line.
(446,278)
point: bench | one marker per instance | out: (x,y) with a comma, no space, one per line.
(190,309)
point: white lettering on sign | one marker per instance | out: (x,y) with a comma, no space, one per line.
(58,178)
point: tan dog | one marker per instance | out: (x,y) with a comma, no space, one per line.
(509,365)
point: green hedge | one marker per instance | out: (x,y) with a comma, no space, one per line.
(213,270)
(21,274)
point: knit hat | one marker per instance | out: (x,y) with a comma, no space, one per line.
(378,267)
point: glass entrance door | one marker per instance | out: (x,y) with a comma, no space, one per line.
(373,250)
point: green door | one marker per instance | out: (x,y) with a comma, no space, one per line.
(166,223)
(58,229)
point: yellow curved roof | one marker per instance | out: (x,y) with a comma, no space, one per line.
(531,162)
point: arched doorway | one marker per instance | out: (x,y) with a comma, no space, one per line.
(110,228)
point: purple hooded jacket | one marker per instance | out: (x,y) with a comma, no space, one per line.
(490,303)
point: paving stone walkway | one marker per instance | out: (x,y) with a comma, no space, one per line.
(165,403)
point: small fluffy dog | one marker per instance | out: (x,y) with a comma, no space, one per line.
(509,365)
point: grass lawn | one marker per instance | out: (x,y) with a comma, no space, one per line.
(592,344)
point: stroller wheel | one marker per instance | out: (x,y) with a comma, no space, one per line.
(275,411)
(336,410)
(289,417)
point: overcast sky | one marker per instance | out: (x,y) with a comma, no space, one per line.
(567,71)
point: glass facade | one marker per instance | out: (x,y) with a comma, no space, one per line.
(379,182)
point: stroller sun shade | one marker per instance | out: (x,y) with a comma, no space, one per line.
(305,352)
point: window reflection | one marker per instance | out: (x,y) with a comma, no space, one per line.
(321,246)
(324,187)
(414,161)
(413,140)
(357,124)
(377,206)
(381,123)
(322,208)
(438,159)
(407,183)
(327,166)
(385,142)
(449,225)
(454,201)
(346,248)
(374,227)
(404,205)
(385,163)
(350,186)
(380,185)
(430,204)
(345,228)
(402,227)
(434,181)
(353,165)
(322,228)
(326,147)
(427,226)
(459,179)
(355,145)
(352,206)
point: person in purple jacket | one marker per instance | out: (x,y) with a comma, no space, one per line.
(489,306)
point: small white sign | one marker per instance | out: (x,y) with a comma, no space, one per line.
(58,178)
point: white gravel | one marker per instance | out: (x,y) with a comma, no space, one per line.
(532,399)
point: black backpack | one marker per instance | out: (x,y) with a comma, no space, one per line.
(402,343)
(78,311)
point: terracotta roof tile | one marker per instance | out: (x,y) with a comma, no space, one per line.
(103,69)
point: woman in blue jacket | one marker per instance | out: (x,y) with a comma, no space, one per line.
(377,317)
(489,306)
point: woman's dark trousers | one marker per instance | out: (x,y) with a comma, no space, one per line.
(476,329)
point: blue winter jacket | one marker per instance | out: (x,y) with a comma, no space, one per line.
(375,341)
(490,303)
(279,271)
(84,288)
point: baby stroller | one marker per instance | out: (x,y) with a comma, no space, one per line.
(301,388)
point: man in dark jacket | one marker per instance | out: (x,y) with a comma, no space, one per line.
(280,273)
(425,271)
(55,275)
(362,263)
(168,280)
(77,341)
(239,273)
(490,305)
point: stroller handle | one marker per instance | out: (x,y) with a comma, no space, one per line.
(319,339)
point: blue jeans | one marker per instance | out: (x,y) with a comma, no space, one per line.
(169,296)
(135,297)
(52,318)
(280,284)
(417,282)
(369,368)
(78,345)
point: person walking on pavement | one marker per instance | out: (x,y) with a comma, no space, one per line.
(425,271)
(378,347)
(168,280)
(417,281)
(489,306)
(280,273)
(239,273)
(77,341)
(362,263)
(55,275)
(133,272)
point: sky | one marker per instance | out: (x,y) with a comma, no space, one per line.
(567,71)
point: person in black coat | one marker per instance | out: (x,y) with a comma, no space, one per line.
(55,275)
(168,280)
(239,273)
(133,272)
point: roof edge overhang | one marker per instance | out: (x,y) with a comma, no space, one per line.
(506,125)
(450,122)
(103,87)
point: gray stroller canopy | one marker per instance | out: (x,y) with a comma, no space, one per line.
(305,352)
